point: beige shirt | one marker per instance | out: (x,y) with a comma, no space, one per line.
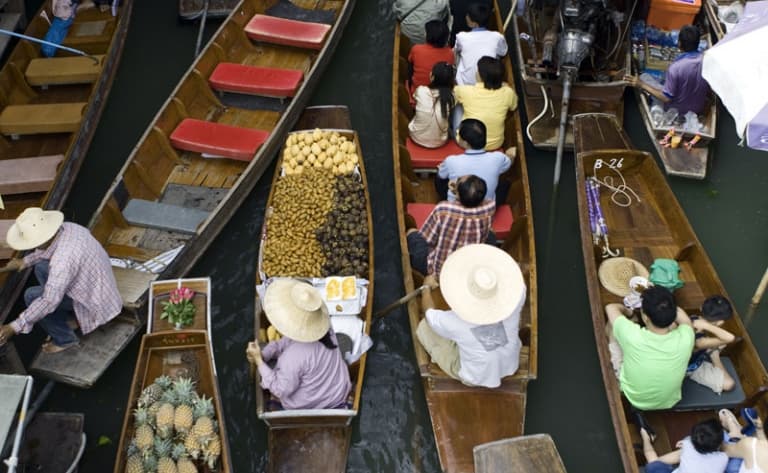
(428,127)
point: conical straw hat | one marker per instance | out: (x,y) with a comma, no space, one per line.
(615,273)
(297,310)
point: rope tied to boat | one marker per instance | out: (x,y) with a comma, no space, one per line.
(597,218)
(622,194)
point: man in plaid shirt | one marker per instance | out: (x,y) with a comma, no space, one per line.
(452,225)
(75,277)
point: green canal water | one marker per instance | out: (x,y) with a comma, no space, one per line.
(392,432)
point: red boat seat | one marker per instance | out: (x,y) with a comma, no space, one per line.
(268,81)
(218,139)
(23,175)
(301,34)
(501,225)
(429,158)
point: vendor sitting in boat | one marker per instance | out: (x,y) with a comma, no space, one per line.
(476,341)
(684,88)
(310,372)
(77,285)
(452,225)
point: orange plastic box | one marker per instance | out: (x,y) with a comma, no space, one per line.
(672,14)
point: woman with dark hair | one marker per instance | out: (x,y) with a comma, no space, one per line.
(310,371)
(434,103)
(423,57)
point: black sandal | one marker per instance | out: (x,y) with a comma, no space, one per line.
(642,423)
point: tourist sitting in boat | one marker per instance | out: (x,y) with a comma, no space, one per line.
(459,15)
(698,453)
(650,361)
(309,372)
(488,101)
(488,165)
(434,103)
(747,446)
(76,283)
(476,341)
(705,366)
(684,87)
(452,225)
(423,57)
(63,17)
(414,14)
(476,43)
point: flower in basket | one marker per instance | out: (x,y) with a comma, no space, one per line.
(179,310)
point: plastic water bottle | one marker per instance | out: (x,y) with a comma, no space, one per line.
(657,115)
(638,31)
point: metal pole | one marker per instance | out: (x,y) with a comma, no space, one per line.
(567,80)
(48,43)
(202,27)
(13,460)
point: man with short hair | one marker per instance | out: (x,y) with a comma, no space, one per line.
(684,87)
(476,43)
(75,277)
(650,361)
(487,165)
(452,225)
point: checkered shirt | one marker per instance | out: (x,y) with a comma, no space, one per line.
(451,226)
(79,268)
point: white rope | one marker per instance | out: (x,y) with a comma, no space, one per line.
(622,194)
(538,117)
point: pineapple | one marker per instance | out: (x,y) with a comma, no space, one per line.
(166,465)
(179,451)
(143,438)
(203,407)
(152,412)
(192,445)
(164,382)
(162,447)
(212,451)
(149,395)
(141,416)
(184,391)
(164,420)
(135,464)
(150,464)
(203,429)
(185,465)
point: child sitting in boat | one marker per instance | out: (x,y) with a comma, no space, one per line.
(697,453)
(472,45)
(423,57)
(705,366)
(747,446)
(310,372)
(434,103)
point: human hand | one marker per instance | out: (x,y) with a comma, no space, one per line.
(679,444)
(253,353)
(431,281)
(16,264)
(452,186)
(6,332)
(632,81)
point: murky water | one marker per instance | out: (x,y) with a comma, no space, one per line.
(392,432)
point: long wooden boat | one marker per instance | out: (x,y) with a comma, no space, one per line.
(598,87)
(184,353)
(193,9)
(50,109)
(535,453)
(464,416)
(300,440)
(653,226)
(169,201)
(681,161)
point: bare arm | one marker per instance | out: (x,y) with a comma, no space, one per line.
(719,336)
(682,318)
(614,311)
(426,295)
(637,83)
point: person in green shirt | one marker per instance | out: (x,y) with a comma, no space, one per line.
(650,361)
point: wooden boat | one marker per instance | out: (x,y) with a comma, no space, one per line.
(595,89)
(301,439)
(653,226)
(464,416)
(680,161)
(50,108)
(184,353)
(535,453)
(169,201)
(193,9)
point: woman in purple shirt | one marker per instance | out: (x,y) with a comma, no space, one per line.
(309,372)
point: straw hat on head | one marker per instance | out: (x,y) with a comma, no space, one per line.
(615,274)
(296,310)
(482,284)
(33,228)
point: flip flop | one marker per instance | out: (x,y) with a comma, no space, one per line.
(642,423)
(749,414)
(51,348)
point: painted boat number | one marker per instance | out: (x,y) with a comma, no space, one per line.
(611,163)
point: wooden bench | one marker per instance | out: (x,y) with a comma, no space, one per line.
(266,81)
(218,140)
(501,225)
(63,70)
(300,34)
(43,118)
(146,213)
(23,175)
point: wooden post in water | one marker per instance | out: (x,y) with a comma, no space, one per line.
(757,297)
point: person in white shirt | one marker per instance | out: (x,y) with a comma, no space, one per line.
(698,453)
(434,103)
(477,340)
(472,45)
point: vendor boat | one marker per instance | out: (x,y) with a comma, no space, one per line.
(170,354)
(200,157)
(648,225)
(463,416)
(194,9)
(534,453)
(302,440)
(49,109)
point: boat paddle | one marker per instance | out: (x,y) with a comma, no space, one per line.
(400,301)
(756,298)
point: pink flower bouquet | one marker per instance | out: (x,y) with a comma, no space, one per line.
(179,310)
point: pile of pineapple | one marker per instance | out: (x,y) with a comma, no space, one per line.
(174,429)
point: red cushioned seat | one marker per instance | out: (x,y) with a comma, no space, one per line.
(217,139)
(301,34)
(429,158)
(269,81)
(502,219)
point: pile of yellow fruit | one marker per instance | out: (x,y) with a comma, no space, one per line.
(319,149)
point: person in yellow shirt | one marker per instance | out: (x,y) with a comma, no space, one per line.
(488,100)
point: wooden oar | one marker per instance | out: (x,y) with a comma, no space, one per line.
(400,301)
(756,298)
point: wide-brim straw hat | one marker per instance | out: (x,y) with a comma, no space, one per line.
(615,274)
(482,284)
(297,310)
(33,227)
